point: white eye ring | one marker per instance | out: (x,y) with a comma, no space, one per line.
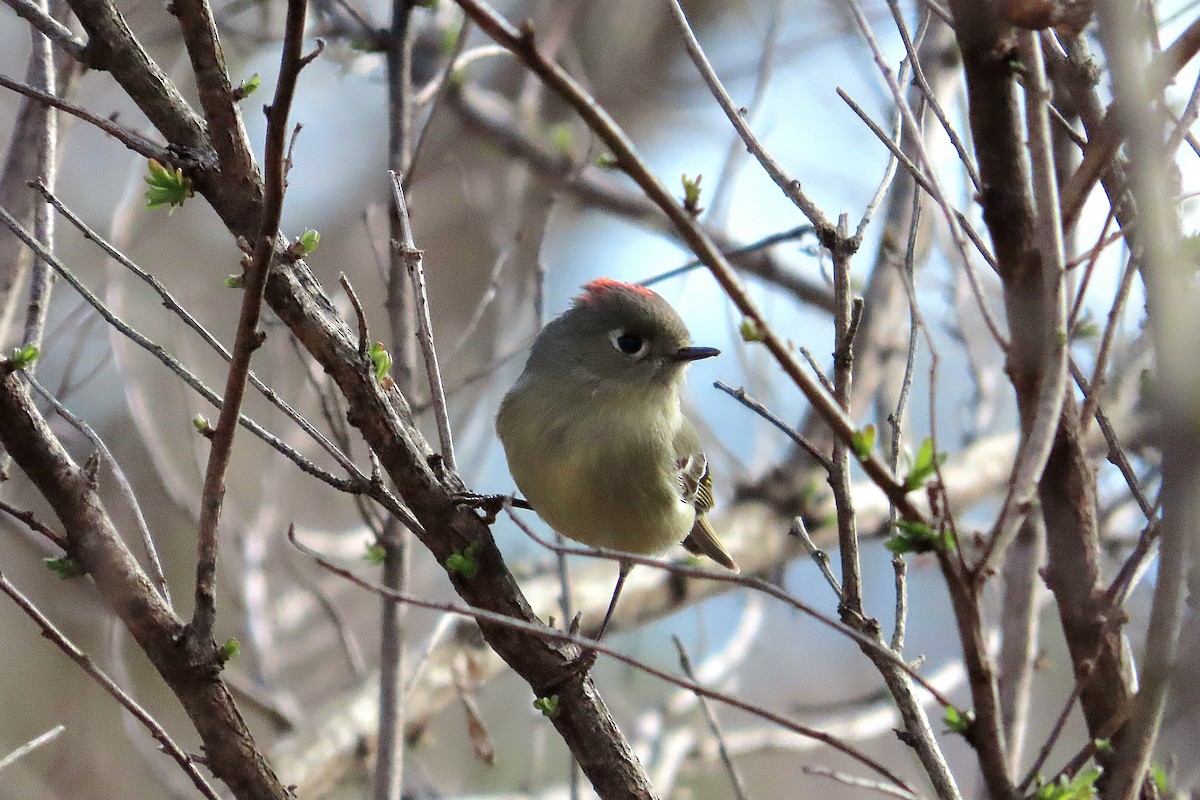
(630,344)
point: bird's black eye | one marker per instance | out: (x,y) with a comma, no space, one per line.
(629,343)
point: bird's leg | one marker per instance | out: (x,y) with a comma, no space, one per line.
(612,604)
(581,665)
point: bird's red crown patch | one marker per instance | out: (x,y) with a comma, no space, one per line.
(594,289)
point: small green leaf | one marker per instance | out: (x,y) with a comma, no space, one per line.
(861,441)
(1081,787)
(691,194)
(375,554)
(1103,746)
(450,38)
(1190,246)
(235,281)
(465,562)
(305,243)
(607,161)
(958,721)
(750,331)
(167,187)
(917,537)
(381,359)
(201,424)
(563,138)
(229,650)
(65,568)
(368,43)
(547,705)
(924,465)
(1158,774)
(248,87)
(21,357)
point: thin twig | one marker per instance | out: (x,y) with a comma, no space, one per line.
(899,565)
(819,556)
(844,326)
(758,408)
(30,520)
(131,139)
(413,258)
(1091,402)
(33,744)
(926,183)
(714,725)
(739,579)
(930,96)
(247,338)
(723,188)
(856,782)
(789,186)
(128,703)
(156,567)
(792,234)
(911,62)
(41,277)
(360,314)
(1116,453)
(822,378)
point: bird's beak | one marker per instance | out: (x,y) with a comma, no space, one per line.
(695,353)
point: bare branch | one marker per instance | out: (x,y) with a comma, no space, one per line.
(248,338)
(128,703)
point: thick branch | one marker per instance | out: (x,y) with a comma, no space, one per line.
(96,545)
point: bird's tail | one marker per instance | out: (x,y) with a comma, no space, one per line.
(703,541)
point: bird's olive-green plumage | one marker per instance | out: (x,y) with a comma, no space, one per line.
(594,433)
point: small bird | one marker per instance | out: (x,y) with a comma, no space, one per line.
(594,433)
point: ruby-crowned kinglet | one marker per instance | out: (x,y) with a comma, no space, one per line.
(594,433)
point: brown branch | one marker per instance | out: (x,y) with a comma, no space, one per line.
(412,258)
(95,544)
(248,338)
(81,658)
(131,139)
(112,46)
(51,28)
(34,525)
(1105,139)
(1171,299)
(986,732)
(222,114)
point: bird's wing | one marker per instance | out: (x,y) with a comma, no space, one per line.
(695,487)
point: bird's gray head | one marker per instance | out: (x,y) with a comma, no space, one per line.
(617,335)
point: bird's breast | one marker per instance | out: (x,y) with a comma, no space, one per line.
(599,475)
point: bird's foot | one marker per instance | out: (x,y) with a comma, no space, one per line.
(489,504)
